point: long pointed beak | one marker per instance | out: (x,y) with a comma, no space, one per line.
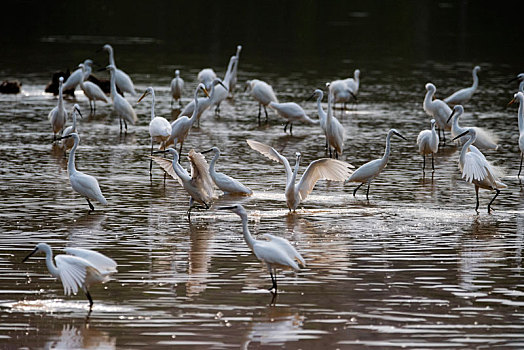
(158,152)
(227,208)
(513,100)
(142,97)
(27,257)
(451,116)
(64,137)
(399,135)
(207,93)
(459,136)
(80,113)
(516,78)
(354,96)
(310,97)
(223,86)
(207,151)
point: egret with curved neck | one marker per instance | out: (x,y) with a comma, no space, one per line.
(225,183)
(122,79)
(462,96)
(124,110)
(68,143)
(519,97)
(483,140)
(437,109)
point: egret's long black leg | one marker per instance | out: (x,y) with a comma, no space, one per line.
(423,162)
(265,111)
(520,168)
(477,195)
(356,189)
(496,194)
(290,128)
(367,191)
(433,161)
(120,119)
(259,112)
(90,299)
(151,159)
(273,281)
(285,126)
(90,205)
(125,123)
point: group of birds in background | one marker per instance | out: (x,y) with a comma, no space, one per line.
(82,268)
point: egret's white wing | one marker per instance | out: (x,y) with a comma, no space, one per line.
(101,262)
(273,254)
(287,247)
(272,154)
(167,165)
(200,175)
(72,271)
(323,169)
(474,167)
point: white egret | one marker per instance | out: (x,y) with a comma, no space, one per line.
(234,73)
(176,87)
(483,140)
(203,103)
(520,78)
(462,96)
(275,252)
(437,109)
(78,75)
(68,143)
(370,170)
(58,114)
(85,185)
(477,170)
(263,93)
(198,185)
(427,142)
(92,91)
(320,169)
(180,127)
(221,91)
(225,183)
(341,90)
(79,268)
(335,132)
(293,113)
(159,127)
(353,84)
(322,116)
(120,105)
(122,80)
(519,97)
(206,76)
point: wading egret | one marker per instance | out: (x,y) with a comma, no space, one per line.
(92,91)
(180,127)
(225,183)
(176,87)
(222,91)
(120,105)
(78,75)
(198,185)
(320,169)
(122,80)
(353,84)
(206,76)
(159,127)
(68,143)
(58,114)
(79,268)
(203,103)
(322,116)
(437,109)
(477,170)
(519,97)
(520,78)
(86,185)
(234,73)
(342,92)
(275,252)
(335,132)
(292,113)
(263,93)
(370,170)
(427,142)
(483,140)
(462,96)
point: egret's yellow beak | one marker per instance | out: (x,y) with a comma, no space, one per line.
(142,97)
(205,91)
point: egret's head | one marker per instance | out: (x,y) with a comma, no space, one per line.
(470,132)
(149,91)
(202,87)
(169,150)
(239,47)
(61,79)
(356,74)
(430,87)
(39,247)
(74,135)
(219,81)
(76,108)
(433,122)
(107,48)
(298,155)
(177,72)
(88,62)
(476,69)
(212,149)
(395,132)
(457,110)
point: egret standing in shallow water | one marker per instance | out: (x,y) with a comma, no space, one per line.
(335,132)
(427,142)
(92,91)
(477,170)
(203,103)
(519,97)
(225,183)
(58,114)
(122,80)
(320,169)
(68,143)
(176,87)
(234,73)
(120,105)
(275,252)
(159,127)
(221,91)
(322,116)
(437,109)
(86,185)
(462,96)
(292,112)
(198,185)
(80,268)
(79,75)
(370,170)
(263,93)
(484,139)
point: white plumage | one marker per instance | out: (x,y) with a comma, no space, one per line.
(58,114)
(221,91)
(78,75)
(122,80)
(335,132)
(261,92)
(462,96)
(436,109)
(203,102)
(120,105)
(68,143)
(176,87)
(234,73)
(519,97)
(484,139)
(80,269)
(92,91)
(206,77)
(345,89)
(293,113)
(226,183)
(320,169)
(427,142)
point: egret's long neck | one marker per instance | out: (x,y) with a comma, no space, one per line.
(475,79)
(293,178)
(464,150)
(520,116)
(227,77)
(49,262)
(212,163)
(194,116)
(71,163)
(329,115)
(521,86)
(245,230)
(179,170)
(111,57)
(60,96)
(113,84)
(387,151)
(321,113)
(429,97)
(74,120)
(86,72)
(153,105)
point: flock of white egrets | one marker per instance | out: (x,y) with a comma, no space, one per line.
(84,267)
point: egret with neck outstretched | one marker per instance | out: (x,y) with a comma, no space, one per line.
(276,252)
(427,142)
(122,80)
(293,113)
(176,87)
(68,143)
(203,102)
(320,169)
(462,96)
(221,91)
(79,268)
(58,114)
(92,91)
(367,172)
(79,75)
(121,106)
(234,73)
(85,185)
(335,132)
